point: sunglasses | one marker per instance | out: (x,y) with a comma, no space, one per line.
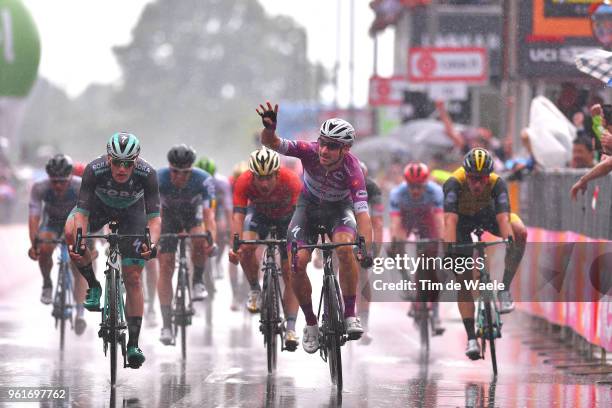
(59,181)
(177,170)
(265,178)
(330,145)
(478,177)
(122,163)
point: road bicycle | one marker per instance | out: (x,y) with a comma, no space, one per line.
(113,325)
(271,317)
(332,331)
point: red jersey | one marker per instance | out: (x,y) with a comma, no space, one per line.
(279,203)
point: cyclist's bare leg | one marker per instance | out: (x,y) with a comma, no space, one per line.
(514,256)
(290,303)
(349,271)
(302,287)
(45,260)
(249,262)
(364,296)
(151,269)
(134,302)
(164,286)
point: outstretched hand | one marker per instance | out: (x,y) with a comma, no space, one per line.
(268,115)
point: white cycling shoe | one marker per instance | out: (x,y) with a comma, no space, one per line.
(310,340)
(473,349)
(199,291)
(353,327)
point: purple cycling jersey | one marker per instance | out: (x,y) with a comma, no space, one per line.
(320,185)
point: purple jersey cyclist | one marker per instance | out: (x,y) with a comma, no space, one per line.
(333,195)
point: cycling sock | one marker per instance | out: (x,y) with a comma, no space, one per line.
(291,322)
(166,315)
(255,286)
(311,319)
(47,283)
(134,324)
(469,328)
(88,273)
(349,306)
(80,310)
(198,271)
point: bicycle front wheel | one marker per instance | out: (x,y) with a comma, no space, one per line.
(113,319)
(62,288)
(270,321)
(334,336)
(490,334)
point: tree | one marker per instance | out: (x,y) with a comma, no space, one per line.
(195,71)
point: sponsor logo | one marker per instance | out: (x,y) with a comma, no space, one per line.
(362,194)
(116,193)
(296,230)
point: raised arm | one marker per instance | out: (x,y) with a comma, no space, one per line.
(268,115)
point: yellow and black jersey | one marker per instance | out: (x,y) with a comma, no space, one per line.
(459,199)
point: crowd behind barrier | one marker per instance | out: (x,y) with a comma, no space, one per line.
(581,271)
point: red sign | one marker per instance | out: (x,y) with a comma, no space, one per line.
(467,65)
(387,91)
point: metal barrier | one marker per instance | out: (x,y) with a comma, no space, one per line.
(545,203)
(546,207)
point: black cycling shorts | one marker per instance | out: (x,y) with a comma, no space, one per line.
(261,224)
(333,216)
(174,222)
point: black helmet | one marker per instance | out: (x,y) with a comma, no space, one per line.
(59,165)
(181,156)
(478,161)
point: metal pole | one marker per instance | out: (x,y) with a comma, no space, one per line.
(352,56)
(337,64)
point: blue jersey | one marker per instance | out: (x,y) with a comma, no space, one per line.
(417,213)
(198,192)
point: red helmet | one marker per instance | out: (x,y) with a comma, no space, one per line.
(78,169)
(416,173)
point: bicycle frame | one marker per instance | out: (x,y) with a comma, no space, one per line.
(271,316)
(182,304)
(63,298)
(113,325)
(332,330)
(488,318)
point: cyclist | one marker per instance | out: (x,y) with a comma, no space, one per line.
(51,200)
(264,197)
(377,209)
(223,209)
(416,206)
(123,187)
(474,196)
(187,197)
(333,195)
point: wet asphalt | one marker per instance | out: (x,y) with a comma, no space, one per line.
(226,361)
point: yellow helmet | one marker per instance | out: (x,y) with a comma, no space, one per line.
(264,162)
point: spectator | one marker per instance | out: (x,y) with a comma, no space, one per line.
(582,153)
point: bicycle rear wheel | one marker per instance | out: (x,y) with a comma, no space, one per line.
(334,335)
(423,323)
(113,324)
(490,334)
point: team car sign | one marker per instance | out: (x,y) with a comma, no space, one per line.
(467,65)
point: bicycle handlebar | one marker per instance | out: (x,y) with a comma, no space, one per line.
(482,244)
(238,242)
(108,237)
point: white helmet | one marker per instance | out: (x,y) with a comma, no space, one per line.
(338,130)
(264,162)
